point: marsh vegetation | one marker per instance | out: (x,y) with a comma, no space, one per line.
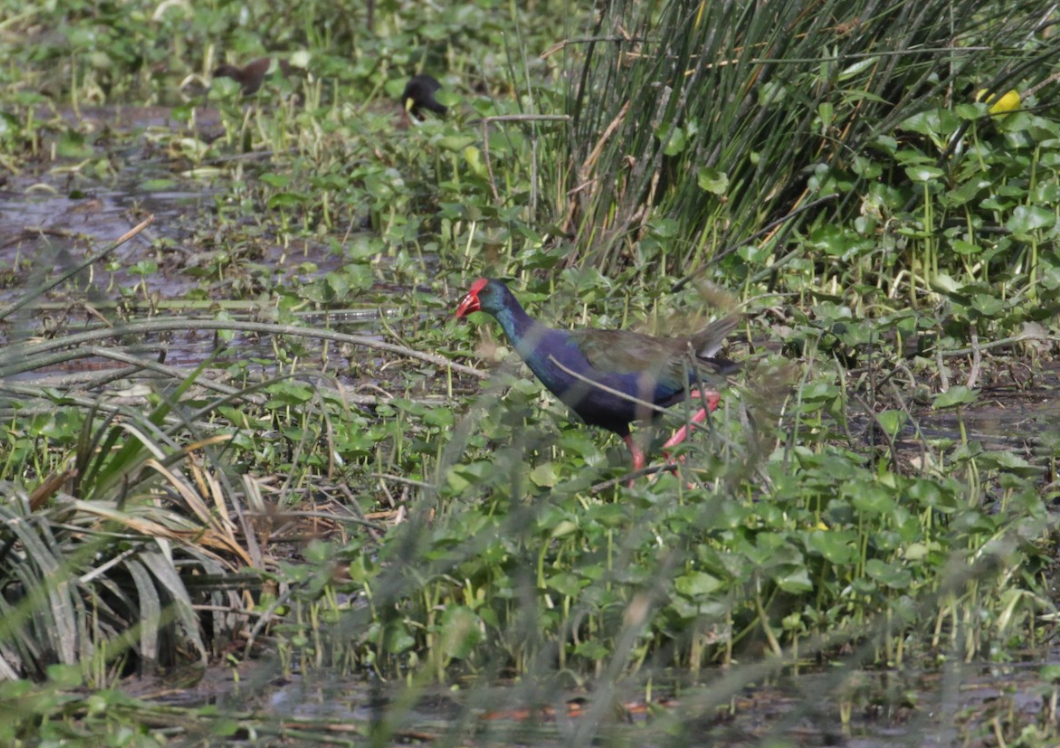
(259,484)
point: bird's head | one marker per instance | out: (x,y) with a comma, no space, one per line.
(485,295)
(419,94)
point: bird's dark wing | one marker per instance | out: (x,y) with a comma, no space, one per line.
(627,352)
(664,359)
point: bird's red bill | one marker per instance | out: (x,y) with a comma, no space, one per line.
(471,302)
(468,305)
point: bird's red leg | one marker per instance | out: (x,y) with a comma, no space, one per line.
(712,399)
(635,450)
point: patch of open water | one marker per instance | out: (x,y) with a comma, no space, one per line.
(957,704)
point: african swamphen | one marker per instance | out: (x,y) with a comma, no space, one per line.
(596,372)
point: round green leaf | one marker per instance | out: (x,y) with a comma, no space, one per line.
(1028,218)
(954,396)
(696,583)
(712,180)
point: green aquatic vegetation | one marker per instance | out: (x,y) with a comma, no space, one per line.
(405,517)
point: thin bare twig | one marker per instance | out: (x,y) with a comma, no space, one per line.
(23,351)
(977,360)
(1023,336)
(560,45)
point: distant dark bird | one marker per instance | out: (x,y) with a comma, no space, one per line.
(597,372)
(419,95)
(253,74)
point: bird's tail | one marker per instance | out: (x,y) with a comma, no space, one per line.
(708,341)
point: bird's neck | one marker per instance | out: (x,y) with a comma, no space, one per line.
(523,331)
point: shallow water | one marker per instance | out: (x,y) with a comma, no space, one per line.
(953,705)
(58,213)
